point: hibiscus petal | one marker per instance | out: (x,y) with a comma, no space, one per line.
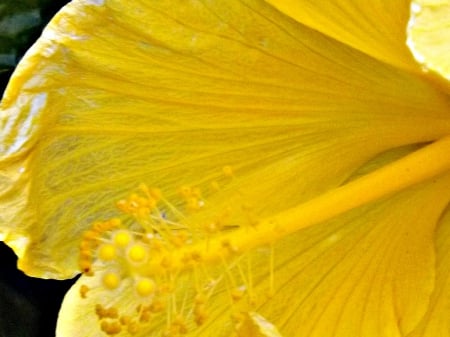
(376,28)
(351,276)
(428,34)
(117,93)
(367,273)
(435,322)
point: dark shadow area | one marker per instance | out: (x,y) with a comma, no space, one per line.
(28,306)
(21,23)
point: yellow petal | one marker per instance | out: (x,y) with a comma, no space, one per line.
(257,326)
(117,93)
(377,28)
(355,276)
(436,322)
(428,34)
(351,276)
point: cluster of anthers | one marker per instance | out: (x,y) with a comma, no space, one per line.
(170,269)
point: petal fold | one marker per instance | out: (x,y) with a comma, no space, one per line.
(376,28)
(428,35)
(435,322)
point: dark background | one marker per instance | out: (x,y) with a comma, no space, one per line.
(28,306)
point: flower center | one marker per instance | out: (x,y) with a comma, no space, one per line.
(175,269)
(171,270)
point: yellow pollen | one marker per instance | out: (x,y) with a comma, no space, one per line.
(145,316)
(132,328)
(115,222)
(85,245)
(180,324)
(122,238)
(111,280)
(145,287)
(125,320)
(100,311)
(237,294)
(111,328)
(112,313)
(157,306)
(85,265)
(137,253)
(155,193)
(185,191)
(84,290)
(107,252)
(90,235)
(103,226)
(200,314)
(179,239)
(227,171)
(85,254)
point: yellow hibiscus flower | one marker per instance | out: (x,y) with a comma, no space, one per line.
(301,153)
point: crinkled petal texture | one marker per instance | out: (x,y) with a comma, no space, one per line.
(168,92)
(369,272)
(428,34)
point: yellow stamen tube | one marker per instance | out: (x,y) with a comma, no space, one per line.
(417,167)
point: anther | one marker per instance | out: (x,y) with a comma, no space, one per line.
(85,266)
(229,246)
(179,239)
(85,254)
(196,255)
(100,311)
(237,294)
(194,203)
(114,223)
(132,328)
(185,191)
(125,320)
(157,306)
(180,324)
(145,316)
(111,328)
(90,235)
(228,171)
(85,245)
(200,314)
(111,313)
(84,290)
(156,194)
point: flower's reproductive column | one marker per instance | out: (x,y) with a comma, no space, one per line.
(181,270)
(171,271)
